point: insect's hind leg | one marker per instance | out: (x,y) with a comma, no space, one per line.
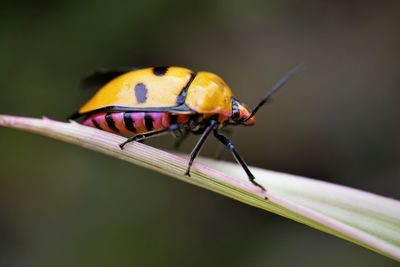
(175,129)
(142,137)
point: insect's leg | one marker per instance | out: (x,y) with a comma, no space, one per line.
(200,144)
(226,142)
(221,148)
(141,137)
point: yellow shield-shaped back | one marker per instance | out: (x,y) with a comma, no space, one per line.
(141,89)
(209,94)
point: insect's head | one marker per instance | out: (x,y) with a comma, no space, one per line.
(242,115)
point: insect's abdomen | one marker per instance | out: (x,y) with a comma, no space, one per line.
(130,123)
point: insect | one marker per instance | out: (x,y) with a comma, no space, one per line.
(148,102)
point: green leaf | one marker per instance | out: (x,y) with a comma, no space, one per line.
(366,219)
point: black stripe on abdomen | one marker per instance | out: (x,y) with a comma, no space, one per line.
(110,122)
(173,119)
(148,122)
(96,124)
(129,122)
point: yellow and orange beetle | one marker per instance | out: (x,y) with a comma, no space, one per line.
(143,103)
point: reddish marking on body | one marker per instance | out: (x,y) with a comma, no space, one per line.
(100,119)
(157,120)
(182,118)
(120,124)
(110,122)
(161,120)
(165,120)
(245,113)
(138,120)
(222,118)
(89,123)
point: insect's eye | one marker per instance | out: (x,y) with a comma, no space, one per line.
(235,109)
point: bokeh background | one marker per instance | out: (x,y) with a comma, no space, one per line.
(338,121)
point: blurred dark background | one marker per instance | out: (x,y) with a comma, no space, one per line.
(62,205)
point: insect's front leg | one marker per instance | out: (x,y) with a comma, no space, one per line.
(221,147)
(228,143)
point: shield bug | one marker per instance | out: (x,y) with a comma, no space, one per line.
(143,103)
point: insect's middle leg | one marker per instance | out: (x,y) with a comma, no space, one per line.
(200,144)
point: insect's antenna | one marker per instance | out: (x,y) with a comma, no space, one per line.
(275,88)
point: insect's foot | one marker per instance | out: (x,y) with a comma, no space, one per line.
(259,186)
(122,145)
(262,188)
(187,173)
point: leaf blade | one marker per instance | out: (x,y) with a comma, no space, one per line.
(363,218)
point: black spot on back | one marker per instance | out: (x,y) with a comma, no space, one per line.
(111,123)
(141,93)
(160,71)
(148,121)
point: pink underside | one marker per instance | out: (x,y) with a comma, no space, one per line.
(160,121)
